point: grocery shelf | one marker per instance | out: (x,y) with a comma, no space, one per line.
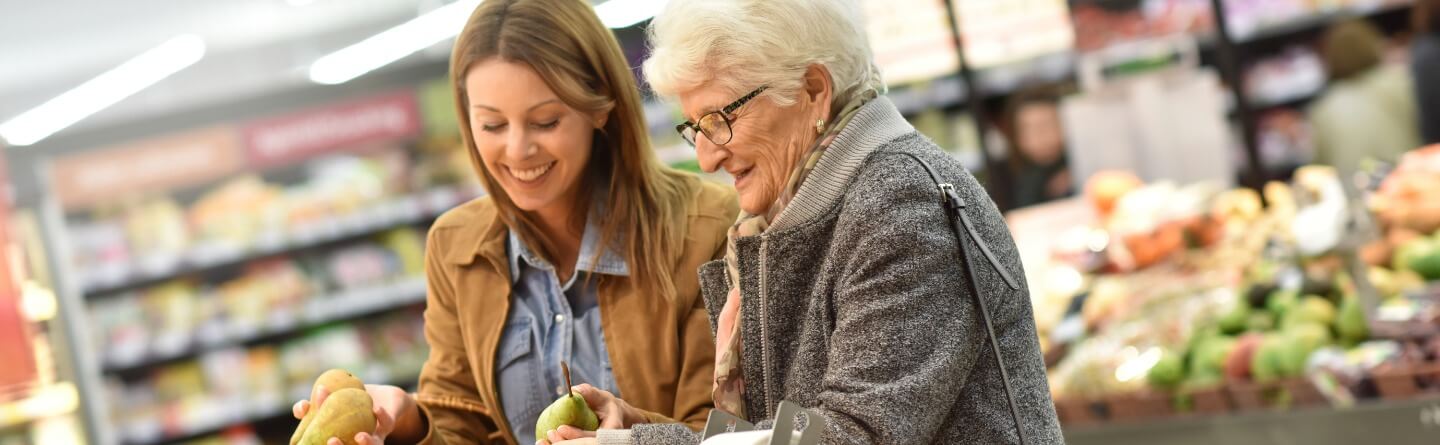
(1407,422)
(398,212)
(939,93)
(279,412)
(317,312)
(1315,21)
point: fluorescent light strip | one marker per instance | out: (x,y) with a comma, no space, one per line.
(618,14)
(392,44)
(104,90)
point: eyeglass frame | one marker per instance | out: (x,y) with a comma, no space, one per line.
(724,114)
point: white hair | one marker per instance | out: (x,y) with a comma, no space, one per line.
(740,45)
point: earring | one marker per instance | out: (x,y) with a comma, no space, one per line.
(819,126)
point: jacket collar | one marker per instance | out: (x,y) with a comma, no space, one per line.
(488,237)
(875,124)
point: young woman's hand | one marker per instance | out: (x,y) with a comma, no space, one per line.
(395,415)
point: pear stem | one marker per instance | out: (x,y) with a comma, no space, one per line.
(565,369)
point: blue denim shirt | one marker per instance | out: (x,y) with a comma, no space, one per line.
(550,321)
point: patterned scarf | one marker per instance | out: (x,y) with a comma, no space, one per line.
(729,391)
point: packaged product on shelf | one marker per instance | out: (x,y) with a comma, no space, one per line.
(229,218)
(173,311)
(398,342)
(100,250)
(336,347)
(224,386)
(184,405)
(121,335)
(158,231)
(359,267)
(408,245)
(264,380)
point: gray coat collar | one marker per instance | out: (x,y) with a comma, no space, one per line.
(876,123)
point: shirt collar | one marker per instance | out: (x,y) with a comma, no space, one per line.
(609,262)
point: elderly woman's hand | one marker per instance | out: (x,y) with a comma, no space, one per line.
(614,413)
(569,435)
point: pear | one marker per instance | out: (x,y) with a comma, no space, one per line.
(333,380)
(569,409)
(346,412)
(1350,323)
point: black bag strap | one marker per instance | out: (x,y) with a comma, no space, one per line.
(960,224)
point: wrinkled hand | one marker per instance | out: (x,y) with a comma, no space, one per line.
(569,435)
(395,413)
(613,412)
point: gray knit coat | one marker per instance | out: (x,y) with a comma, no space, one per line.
(856,305)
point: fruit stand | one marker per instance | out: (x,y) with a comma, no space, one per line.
(1198,314)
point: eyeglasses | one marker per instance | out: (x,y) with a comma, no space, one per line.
(715,124)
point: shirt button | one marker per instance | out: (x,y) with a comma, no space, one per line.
(559,318)
(559,390)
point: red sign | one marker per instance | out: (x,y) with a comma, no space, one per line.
(288,139)
(16,350)
(149,166)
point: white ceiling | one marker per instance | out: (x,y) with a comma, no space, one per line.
(253,46)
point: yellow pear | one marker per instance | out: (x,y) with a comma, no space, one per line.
(333,380)
(346,412)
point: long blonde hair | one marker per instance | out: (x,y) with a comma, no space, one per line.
(578,58)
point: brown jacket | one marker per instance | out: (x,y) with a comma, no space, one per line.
(662,353)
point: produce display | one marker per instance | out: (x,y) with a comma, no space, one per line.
(250,215)
(270,296)
(1225,302)
(239,385)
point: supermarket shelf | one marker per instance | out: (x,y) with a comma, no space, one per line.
(992,82)
(1289,101)
(939,93)
(1415,421)
(317,312)
(398,212)
(265,414)
(1316,21)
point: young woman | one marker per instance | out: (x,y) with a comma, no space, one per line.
(585,250)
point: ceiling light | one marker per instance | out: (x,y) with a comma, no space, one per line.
(618,14)
(392,44)
(104,90)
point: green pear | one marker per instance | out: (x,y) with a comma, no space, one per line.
(1350,323)
(569,409)
(1169,372)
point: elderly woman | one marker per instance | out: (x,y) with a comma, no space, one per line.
(843,288)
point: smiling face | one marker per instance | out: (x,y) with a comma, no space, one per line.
(768,139)
(532,143)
